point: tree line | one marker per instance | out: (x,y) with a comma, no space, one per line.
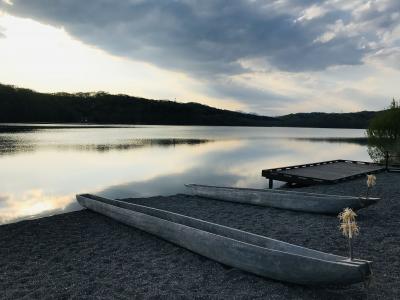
(19,105)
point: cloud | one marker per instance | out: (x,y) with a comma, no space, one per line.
(2,30)
(230,88)
(8,2)
(389,57)
(210,39)
(203,37)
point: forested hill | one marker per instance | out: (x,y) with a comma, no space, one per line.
(19,105)
(329,120)
(23,105)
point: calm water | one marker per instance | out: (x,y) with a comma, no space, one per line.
(42,168)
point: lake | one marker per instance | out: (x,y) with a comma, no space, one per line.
(43,167)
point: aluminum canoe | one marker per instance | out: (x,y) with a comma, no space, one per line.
(243,250)
(292,200)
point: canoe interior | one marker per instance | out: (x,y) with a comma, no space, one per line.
(246,251)
(229,232)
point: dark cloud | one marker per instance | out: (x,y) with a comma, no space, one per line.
(200,37)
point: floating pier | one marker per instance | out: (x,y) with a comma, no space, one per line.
(326,172)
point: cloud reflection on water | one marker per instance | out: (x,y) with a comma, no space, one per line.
(33,204)
(137,162)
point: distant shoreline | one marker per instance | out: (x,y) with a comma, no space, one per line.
(18,105)
(110,125)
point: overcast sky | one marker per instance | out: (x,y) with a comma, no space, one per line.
(263,56)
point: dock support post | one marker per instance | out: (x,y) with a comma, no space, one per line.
(387,160)
(271,183)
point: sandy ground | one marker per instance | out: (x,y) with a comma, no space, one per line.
(86,255)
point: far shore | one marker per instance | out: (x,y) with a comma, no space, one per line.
(118,125)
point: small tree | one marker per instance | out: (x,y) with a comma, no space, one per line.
(384,134)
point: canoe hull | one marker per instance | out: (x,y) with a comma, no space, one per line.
(299,201)
(217,242)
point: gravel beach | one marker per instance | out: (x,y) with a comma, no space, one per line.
(86,255)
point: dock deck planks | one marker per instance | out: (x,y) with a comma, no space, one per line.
(326,172)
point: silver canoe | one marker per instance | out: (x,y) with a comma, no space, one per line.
(246,251)
(292,200)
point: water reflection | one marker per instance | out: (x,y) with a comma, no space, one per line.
(346,140)
(33,204)
(169,184)
(17,127)
(10,145)
(48,166)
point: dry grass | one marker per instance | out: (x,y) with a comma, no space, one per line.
(348,224)
(371,180)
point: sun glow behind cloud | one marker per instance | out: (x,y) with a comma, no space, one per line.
(48,59)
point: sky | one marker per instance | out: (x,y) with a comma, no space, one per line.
(261,56)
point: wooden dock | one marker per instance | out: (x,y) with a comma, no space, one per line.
(326,172)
